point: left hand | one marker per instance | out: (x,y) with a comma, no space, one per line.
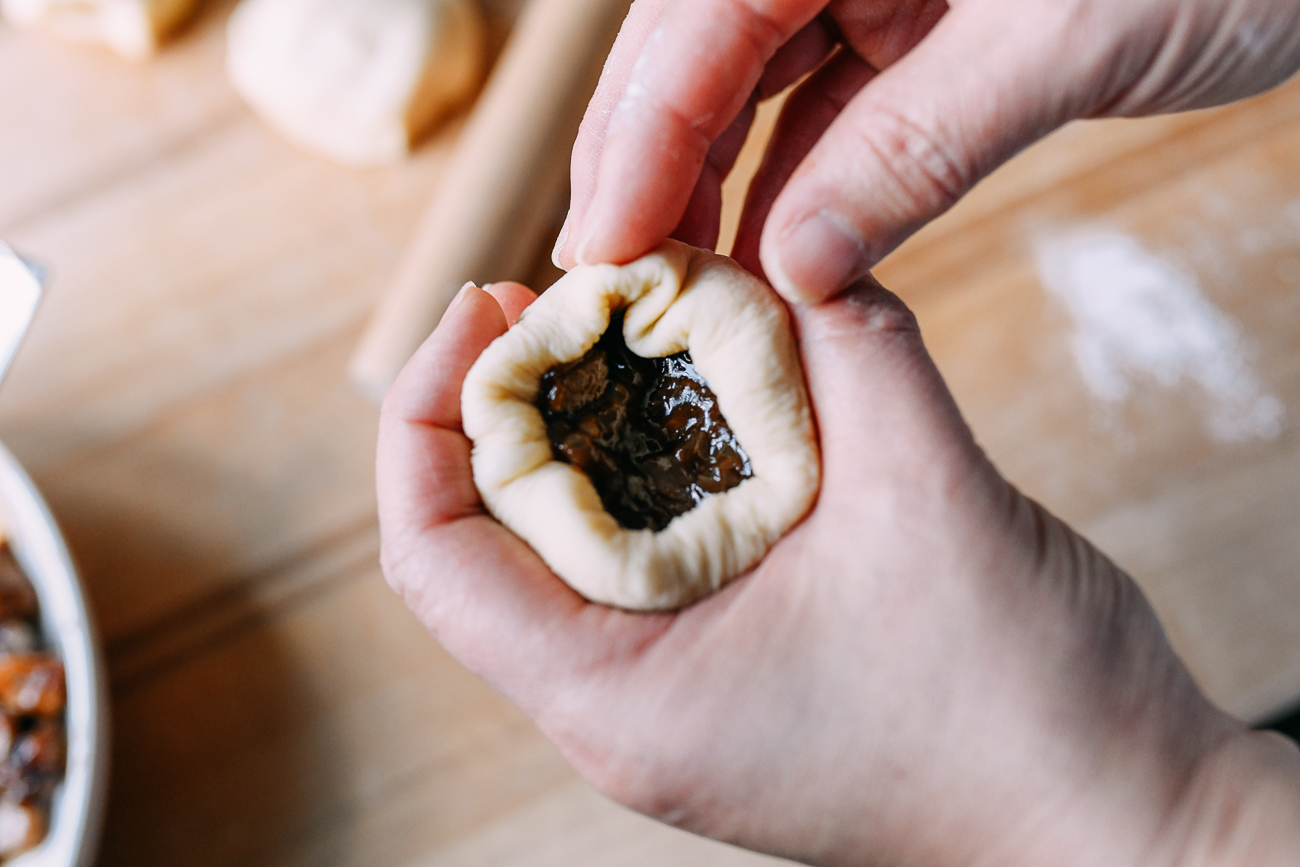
(929,669)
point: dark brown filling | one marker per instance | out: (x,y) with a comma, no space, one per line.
(646,431)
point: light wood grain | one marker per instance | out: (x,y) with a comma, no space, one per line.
(505,185)
(1202,524)
(183,404)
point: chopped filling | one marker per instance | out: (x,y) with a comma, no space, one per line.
(33,741)
(646,431)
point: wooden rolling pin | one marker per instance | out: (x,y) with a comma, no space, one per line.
(504,183)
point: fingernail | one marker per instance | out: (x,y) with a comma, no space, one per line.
(560,239)
(459,299)
(816,258)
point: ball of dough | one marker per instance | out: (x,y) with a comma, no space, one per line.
(355,80)
(739,338)
(132,28)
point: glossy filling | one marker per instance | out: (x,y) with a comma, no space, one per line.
(646,431)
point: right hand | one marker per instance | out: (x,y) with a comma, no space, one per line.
(911,103)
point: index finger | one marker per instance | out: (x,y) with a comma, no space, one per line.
(692,76)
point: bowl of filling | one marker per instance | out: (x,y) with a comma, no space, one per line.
(53,700)
(53,710)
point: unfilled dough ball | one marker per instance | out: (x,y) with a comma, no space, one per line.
(132,28)
(355,80)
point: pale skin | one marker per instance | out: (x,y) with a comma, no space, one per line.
(930,669)
(911,103)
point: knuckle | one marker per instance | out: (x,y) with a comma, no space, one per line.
(894,318)
(641,773)
(644,791)
(758,27)
(925,171)
(875,309)
(400,567)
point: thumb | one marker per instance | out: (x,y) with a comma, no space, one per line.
(882,407)
(917,137)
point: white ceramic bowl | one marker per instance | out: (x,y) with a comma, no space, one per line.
(78,809)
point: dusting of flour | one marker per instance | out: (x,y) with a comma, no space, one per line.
(1137,318)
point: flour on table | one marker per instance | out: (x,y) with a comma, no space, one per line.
(1139,319)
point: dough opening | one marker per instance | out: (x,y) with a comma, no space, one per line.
(648,432)
(671,301)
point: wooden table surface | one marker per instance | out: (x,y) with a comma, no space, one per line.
(182,403)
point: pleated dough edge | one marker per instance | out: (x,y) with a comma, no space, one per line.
(740,340)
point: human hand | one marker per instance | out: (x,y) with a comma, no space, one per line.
(910,105)
(930,669)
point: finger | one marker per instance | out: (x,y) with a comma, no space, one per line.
(463,574)
(915,139)
(808,112)
(430,486)
(803,53)
(512,298)
(693,76)
(700,223)
(428,388)
(641,20)
(898,456)
(475,585)
(881,33)
(871,380)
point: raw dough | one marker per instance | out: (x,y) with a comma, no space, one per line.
(132,28)
(355,80)
(738,333)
